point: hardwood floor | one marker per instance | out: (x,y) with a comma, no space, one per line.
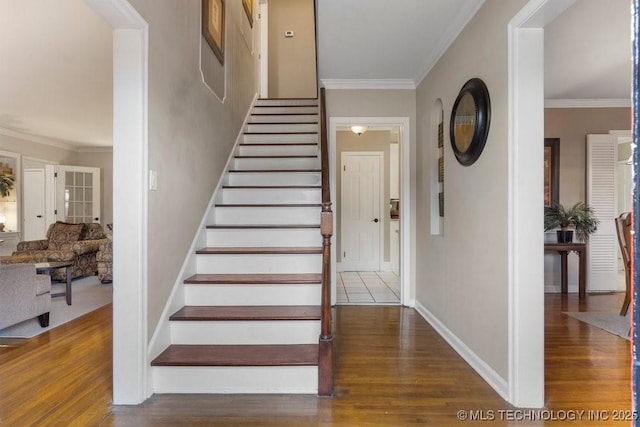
(391,369)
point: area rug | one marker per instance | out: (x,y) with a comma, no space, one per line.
(610,322)
(88,294)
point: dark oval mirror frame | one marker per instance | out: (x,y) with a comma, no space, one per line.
(480,94)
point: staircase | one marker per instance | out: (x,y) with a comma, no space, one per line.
(251,320)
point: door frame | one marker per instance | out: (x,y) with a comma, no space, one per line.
(525,385)
(56,196)
(263,62)
(381,171)
(407,214)
(131,367)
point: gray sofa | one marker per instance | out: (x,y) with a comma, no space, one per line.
(23,295)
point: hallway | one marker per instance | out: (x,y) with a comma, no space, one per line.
(368,287)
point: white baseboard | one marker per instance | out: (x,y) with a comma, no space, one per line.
(499,384)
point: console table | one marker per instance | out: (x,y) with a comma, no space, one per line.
(563,249)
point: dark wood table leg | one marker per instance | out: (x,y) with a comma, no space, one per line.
(564,288)
(582,274)
(68,286)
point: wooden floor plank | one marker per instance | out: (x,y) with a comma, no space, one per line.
(239,355)
(260,312)
(392,369)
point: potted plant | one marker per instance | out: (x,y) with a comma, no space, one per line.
(6,184)
(580,217)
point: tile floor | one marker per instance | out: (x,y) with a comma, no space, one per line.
(368,287)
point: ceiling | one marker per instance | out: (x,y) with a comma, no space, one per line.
(56,73)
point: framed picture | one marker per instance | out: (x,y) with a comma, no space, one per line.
(248,9)
(551,172)
(213,26)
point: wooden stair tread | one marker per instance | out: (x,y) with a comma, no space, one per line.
(260,312)
(289,113)
(256,279)
(238,355)
(284,156)
(259,250)
(268,205)
(284,123)
(261,226)
(282,133)
(272,187)
(279,144)
(273,170)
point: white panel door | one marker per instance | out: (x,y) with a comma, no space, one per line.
(77,192)
(602,249)
(34,200)
(361,222)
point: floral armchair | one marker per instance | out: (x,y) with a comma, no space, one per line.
(77,243)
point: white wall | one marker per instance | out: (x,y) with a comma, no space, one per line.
(191,131)
(462,275)
(292,60)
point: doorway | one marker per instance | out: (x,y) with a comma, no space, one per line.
(364,265)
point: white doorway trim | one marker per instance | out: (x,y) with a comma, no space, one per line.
(130,171)
(263,11)
(525,166)
(407,286)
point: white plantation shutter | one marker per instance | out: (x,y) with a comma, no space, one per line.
(602,249)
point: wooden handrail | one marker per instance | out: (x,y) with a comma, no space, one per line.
(325,356)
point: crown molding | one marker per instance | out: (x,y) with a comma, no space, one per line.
(587,103)
(53,142)
(38,139)
(452,32)
(345,84)
(93,149)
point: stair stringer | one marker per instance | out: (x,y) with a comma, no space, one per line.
(161,337)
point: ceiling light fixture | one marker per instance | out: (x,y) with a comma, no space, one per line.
(358,130)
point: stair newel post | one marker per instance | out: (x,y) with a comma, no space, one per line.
(325,354)
(325,348)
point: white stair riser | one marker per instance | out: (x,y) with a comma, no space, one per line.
(281,127)
(285,110)
(275,178)
(232,379)
(284,118)
(258,263)
(278,294)
(283,138)
(285,101)
(267,215)
(279,163)
(263,237)
(278,150)
(271,195)
(235,332)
